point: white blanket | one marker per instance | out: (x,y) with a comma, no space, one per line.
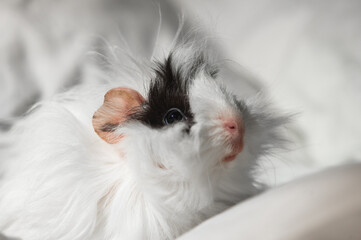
(324,206)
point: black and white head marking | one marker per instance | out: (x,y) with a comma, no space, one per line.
(168,90)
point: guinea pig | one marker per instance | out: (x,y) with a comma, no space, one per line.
(147,155)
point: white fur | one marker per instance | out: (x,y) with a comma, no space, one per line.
(61,181)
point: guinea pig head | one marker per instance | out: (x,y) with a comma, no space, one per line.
(187,120)
(189,140)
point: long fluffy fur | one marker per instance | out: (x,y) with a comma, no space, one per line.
(59,180)
(55,167)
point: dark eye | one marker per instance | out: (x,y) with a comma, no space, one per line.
(173,115)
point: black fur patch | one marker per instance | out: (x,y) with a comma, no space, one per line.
(168,90)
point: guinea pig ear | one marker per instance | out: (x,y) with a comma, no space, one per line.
(118,104)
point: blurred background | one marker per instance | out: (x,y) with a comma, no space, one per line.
(304,55)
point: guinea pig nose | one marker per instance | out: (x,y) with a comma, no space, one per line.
(231,126)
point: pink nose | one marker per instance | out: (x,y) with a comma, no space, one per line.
(231,126)
(234,127)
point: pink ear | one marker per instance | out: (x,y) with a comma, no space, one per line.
(118,104)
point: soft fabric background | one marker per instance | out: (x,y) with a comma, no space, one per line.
(312,208)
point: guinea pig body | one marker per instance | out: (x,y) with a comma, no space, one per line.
(183,150)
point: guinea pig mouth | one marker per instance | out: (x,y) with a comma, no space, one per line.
(232,156)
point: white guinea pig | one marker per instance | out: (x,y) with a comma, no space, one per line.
(167,148)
